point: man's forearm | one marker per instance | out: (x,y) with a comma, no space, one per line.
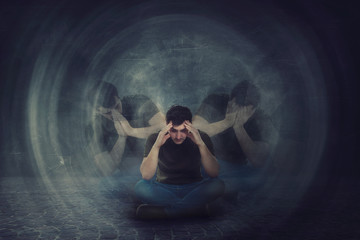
(140,132)
(209,162)
(123,127)
(256,152)
(211,129)
(215,128)
(149,163)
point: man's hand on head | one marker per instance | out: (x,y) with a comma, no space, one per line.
(117,116)
(193,133)
(97,112)
(243,114)
(231,112)
(163,135)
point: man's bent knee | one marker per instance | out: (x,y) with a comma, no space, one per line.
(142,189)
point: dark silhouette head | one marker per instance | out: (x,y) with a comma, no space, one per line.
(103,94)
(245,93)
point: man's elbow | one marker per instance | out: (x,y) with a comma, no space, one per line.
(213,173)
(147,176)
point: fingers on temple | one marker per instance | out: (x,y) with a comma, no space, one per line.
(167,128)
(188,123)
(187,126)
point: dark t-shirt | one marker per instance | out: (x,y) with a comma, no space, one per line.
(227,147)
(138,110)
(178,163)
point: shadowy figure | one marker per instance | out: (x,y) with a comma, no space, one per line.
(116,127)
(241,133)
(172,184)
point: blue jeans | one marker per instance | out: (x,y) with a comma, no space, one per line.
(179,199)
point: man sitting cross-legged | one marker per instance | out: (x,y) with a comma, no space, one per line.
(177,154)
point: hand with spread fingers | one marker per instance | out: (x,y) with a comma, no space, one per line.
(117,117)
(231,112)
(193,133)
(163,135)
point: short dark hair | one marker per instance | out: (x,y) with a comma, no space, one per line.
(178,114)
(102,93)
(245,93)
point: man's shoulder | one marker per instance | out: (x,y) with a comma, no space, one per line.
(203,134)
(205,137)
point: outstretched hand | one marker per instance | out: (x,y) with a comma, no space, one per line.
(163,135)
(117,116)
(97,112)
(231,112)
(193,133)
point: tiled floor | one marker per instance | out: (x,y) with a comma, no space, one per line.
(72,208)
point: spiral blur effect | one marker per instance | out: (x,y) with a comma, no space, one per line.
(174,53)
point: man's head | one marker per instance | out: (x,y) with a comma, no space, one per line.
(178,115)
(245,93)
(104,95)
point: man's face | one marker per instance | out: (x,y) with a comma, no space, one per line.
(178,133)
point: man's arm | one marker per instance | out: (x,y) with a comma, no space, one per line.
(208,160)
(215,128)
(156,123)
(150,162)
(255,151)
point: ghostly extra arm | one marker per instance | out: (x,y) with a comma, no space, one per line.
(215,128)
(157,122)
(255,151)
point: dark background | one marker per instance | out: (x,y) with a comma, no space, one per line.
(330,27)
